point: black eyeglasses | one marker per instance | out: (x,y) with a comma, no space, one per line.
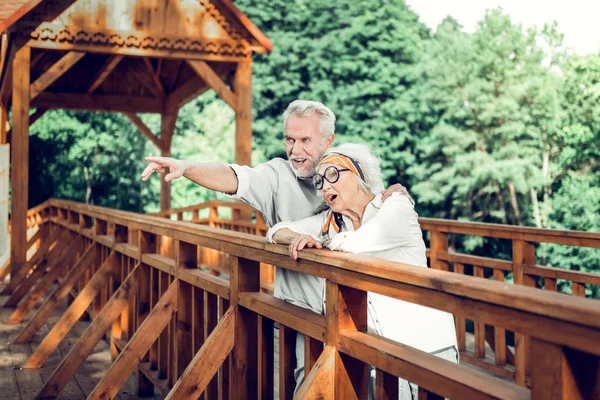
(331,175)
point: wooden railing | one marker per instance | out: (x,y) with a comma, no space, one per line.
(141,275)
(506,353)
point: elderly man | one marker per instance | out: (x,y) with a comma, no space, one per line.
(281,190)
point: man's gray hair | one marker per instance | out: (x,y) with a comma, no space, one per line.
(370,164)
(304,108)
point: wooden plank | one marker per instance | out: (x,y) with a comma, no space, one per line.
(210,322)
(320,382)
(63,289)
(386,386)
(312,352)
(346,310)
(523,254)
(104,72)
(224,371)
(39,264)
(426,370)
(244,374)
(266,367)
(40,289)
(186,258)
(207,361)
(243,113)
(186,93)
(154,76)
(163,340)
(93,334)
(98,102)
(438,244)
(54,72)
(20,159)
(168,120)
(478,272)
(213,80)
(299,319)
(560,373)
(72,315)
(139,344)
(287,362)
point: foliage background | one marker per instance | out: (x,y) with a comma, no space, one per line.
(500,126)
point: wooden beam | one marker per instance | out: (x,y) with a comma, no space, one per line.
(137,71)
(320,381)
(185,93)
(72,315)
(154,76)
(72,101)
(54,72)
(104,72)
(143,128)
(173,54)
(3,125)
(20,159)
(215,82)
(27,304)
(207,360)
(5,269)
(55,255)
(245,277)
(17,278)
(6,77)
(243,114)
(61,292)
(140,343)
(560,373)
(90,338)
(167,129)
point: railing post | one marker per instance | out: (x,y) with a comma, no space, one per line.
(186,258)
(561,373)
(347,311)
(245,277)
(438,243)
(146,244)
(523,254)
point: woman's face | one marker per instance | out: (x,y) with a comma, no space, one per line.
(338,195)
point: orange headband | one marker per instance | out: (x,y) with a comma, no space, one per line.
(344,162)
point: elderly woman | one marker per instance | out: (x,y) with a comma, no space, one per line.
(357,221)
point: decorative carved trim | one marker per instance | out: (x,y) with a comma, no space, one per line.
(220,19)
(65,34)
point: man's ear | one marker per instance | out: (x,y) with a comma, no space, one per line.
(329,140)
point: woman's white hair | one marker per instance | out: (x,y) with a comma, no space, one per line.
(369,163)
(304,108)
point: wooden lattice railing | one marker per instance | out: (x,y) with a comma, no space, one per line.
(142,276)
(499,358)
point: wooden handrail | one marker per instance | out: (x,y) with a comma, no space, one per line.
(171,251)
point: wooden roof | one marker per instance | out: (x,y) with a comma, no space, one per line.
(128,55)
(12,11)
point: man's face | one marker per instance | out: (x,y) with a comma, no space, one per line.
(304,144)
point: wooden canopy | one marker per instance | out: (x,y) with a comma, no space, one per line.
(128,56)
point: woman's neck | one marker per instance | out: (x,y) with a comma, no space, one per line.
(356,210)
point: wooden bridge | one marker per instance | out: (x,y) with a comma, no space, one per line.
(147,285)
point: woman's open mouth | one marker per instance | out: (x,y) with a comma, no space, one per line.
(330,198)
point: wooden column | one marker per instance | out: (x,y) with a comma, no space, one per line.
(243,115)
(20,158)
(167,128)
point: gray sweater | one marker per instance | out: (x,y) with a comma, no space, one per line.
(273,189)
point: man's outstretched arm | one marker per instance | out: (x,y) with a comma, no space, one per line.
(214,176)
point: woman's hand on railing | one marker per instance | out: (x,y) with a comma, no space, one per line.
(173,168)
(303,241)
